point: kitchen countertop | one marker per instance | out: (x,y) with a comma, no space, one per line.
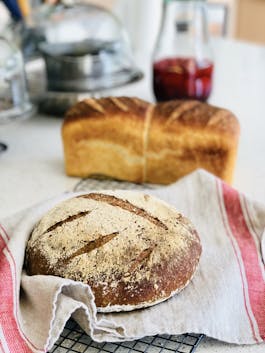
(32,169)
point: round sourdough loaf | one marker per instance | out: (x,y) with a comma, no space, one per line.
(132,249)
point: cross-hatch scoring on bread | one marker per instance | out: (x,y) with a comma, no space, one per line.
(130,139)
(132,249)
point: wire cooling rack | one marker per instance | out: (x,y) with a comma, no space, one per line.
(74,339)
(110,184)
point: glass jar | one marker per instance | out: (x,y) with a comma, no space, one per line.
(182,61)
(14,99)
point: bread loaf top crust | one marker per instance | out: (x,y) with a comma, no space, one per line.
(106,107)
(195,114)
(189,113)
(111,131)
(118,121)
(132,249)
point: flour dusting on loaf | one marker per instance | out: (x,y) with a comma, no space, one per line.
(132,249)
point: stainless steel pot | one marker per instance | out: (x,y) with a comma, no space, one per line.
(88,66)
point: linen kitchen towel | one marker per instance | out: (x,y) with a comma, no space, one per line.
(225,299)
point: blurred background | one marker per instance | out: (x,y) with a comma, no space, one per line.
(120,43)
(240,19)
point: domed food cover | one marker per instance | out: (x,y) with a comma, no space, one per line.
(86,49)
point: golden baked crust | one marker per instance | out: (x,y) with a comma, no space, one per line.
(130,139)
(186,135)
(106,136)
(140,253)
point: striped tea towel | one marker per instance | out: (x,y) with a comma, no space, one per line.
(225,299)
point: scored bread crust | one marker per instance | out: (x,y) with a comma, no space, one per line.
(130,139)
(186,135)
(106,137)
(132,249)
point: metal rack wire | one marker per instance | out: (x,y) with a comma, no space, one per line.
(110,184)
(74,339)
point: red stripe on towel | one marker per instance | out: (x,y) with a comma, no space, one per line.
(15,282)
(4,231)
(249,254)
(7,318)
(237,258)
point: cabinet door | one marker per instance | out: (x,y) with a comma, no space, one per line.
(251,20)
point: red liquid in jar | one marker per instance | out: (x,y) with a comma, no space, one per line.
(182,78)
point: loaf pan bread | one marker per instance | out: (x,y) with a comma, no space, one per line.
(130,139)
